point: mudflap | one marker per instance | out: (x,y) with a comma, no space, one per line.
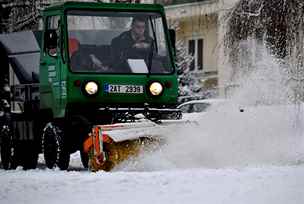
(105,153)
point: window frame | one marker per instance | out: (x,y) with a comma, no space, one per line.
(198,64)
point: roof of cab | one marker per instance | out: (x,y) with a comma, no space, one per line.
(104,6)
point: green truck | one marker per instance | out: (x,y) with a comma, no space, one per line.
(60,82)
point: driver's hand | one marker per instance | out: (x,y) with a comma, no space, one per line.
(141,45)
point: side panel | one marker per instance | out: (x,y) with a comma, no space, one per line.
(51,70)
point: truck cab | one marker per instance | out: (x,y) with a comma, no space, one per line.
(81,69)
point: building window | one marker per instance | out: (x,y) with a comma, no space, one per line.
(195,48)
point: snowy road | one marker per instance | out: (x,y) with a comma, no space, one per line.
(248,185)
(256,156)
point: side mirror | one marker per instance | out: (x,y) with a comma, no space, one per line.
(51,42)
(172,34)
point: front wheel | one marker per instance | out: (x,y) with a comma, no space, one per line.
(54,147)
(84,159)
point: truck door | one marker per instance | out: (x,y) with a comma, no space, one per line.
(50,65)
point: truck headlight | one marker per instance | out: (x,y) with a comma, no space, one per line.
(91,88)
(156,88)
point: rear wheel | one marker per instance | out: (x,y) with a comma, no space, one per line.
(6,148)
(54,147)
(15,153)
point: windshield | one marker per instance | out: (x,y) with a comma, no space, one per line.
(117,42)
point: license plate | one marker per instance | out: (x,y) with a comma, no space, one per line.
(128,89)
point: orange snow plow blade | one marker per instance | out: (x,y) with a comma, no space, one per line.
(109,145)
(104,153)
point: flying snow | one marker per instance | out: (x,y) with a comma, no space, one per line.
(260,124)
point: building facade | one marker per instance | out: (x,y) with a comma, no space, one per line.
(199,27)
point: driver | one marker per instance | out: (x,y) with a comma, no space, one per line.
(132,44)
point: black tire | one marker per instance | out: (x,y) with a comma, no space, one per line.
(54,148)
(6,149)
(9,158)
(63,160)
(84,159)
(80,127)
(49,146)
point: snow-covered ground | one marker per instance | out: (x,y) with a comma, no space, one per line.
(254,156)
(248,185)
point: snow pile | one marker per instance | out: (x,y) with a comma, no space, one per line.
(260,125)
(226,137)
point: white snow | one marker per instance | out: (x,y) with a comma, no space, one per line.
(255,156)
(249,185)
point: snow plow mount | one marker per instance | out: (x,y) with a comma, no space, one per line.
(104,153)
(153,114)
(109,145)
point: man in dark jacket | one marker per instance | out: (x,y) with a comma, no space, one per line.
(132,44)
